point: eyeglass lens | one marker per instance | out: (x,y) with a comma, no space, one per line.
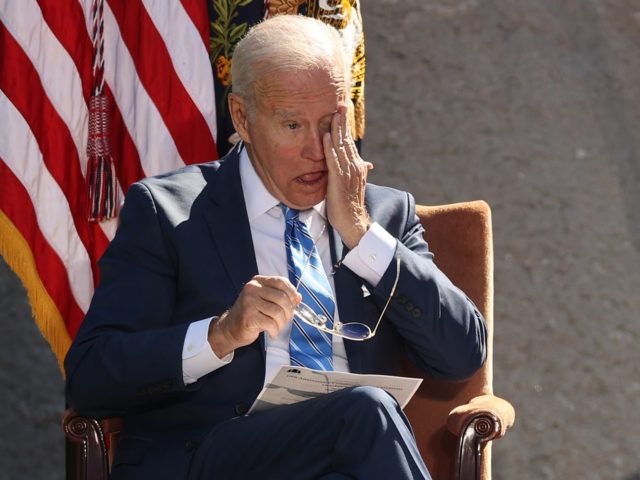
(351,331)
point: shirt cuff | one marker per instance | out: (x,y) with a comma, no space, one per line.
(372,256)
(198,357)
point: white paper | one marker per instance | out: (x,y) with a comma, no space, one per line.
(295,384)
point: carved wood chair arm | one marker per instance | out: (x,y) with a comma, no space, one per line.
(91,459)
(483,406)
(483,419)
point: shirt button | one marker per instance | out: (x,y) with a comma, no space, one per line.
(189,348)
(372,257)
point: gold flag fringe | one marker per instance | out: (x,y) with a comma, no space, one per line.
(16,252)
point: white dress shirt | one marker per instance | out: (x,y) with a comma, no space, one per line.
(369,260)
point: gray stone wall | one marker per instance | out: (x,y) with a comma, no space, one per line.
(534,106)
(31,392)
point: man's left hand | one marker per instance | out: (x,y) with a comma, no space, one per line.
(346,210)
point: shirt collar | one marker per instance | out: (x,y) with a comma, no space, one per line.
(256,196)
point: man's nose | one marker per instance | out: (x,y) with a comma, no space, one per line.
(313,148)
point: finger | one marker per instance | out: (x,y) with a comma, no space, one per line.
(330,154)
(337,134)
(347,130)
(282,285)
(258,297)
(275,304)
(270,317)
(268,324)
(345,134)
(347,151)
(273,314)
(351,146)
(354,158)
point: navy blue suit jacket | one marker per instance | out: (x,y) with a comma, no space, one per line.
(183,252)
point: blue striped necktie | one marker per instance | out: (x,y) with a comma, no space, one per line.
(308,346)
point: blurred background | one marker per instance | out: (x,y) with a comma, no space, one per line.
(533,106)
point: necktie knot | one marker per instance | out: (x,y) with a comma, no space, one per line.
(290,214)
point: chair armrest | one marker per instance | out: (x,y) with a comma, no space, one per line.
(483,419)
(91,458)
(499,410)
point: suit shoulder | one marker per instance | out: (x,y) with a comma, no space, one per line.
(190,175)
(384,191)
(378,196)
(392,208)
(173,192)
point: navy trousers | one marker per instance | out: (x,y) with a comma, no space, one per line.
(353,433)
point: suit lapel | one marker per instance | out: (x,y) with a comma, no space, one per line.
(348,298)
(228,223)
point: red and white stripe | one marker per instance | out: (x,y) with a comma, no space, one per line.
(157,71)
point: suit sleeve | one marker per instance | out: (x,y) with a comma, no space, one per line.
(127,352)
(443,331)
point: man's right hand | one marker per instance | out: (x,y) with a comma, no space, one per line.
(265,304)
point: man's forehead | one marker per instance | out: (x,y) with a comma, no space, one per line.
(293,81)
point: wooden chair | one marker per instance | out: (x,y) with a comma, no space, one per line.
(453,421)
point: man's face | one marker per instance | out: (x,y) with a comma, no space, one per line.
(284,134)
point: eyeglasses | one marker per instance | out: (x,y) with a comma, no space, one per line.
(351,331)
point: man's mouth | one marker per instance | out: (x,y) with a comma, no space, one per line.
(311,178)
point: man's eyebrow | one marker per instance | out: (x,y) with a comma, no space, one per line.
(285,113)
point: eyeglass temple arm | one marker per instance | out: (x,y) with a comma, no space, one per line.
(306,262)
(393,291)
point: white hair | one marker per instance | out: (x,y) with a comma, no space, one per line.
(290,43)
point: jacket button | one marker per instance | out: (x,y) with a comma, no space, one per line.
(190,446)
(241,408)
(416,313)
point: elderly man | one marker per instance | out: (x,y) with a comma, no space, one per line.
(220,273)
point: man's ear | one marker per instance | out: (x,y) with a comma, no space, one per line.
(238,111)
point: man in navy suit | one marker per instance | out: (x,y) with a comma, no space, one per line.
(194,310)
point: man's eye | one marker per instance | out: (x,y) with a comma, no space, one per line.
(292,125)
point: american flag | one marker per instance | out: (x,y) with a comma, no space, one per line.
(159,79)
